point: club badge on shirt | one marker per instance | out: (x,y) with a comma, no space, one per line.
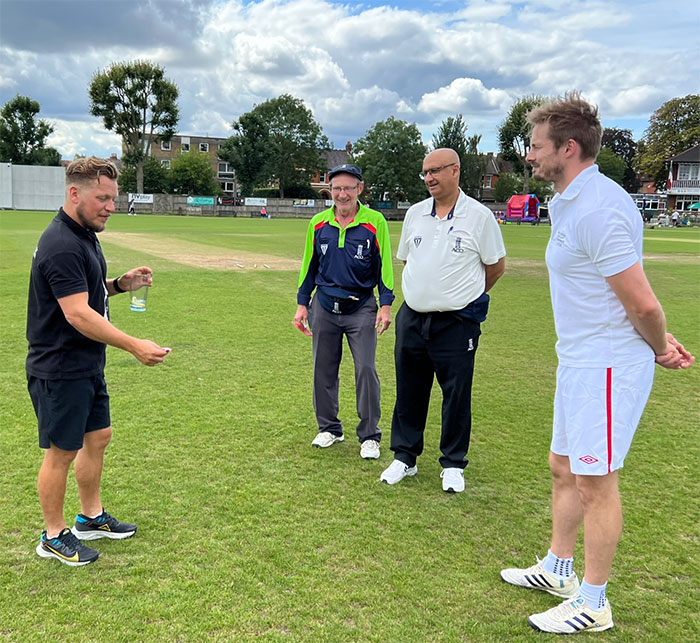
(417,241)
(324,248)
(458,245)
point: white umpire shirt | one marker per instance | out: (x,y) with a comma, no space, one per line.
(445,257)
(596,233)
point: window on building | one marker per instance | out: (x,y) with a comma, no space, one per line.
(204,147)
(185,147)
(688,171)
(165,146)
(165,163)
(487,181)
(322,178)
(223,168)
(228,186)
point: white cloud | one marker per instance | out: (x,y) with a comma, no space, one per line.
(354,65)
(82,137)
(464,95)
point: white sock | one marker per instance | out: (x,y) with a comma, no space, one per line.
(562,567)
(594,595)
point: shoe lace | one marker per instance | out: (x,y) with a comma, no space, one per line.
(69,540)
(567,609)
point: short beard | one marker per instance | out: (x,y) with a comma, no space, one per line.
(86,224)
(552,175)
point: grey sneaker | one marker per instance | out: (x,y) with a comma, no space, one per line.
(536,577)
(369,450)
(397,471)
(326,439)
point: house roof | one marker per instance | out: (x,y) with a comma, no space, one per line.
(335,157)
(691,155)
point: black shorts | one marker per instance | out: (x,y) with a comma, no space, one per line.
(68,409)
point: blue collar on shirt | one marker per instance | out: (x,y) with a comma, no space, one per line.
(450,214)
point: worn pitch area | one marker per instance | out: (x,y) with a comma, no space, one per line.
(198,254)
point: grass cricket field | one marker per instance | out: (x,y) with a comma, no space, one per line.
(247,532)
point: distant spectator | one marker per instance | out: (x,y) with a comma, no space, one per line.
(674,218)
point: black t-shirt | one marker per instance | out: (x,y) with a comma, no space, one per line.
(68,260)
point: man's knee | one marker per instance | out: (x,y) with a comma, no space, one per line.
(560,467)
(595,489)
(54,456)
(98,439)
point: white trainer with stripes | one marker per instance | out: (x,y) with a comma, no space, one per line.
(536,577)
(573,617)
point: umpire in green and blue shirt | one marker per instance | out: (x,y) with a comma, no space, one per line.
(347,255)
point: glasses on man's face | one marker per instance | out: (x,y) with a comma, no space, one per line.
(433,171)
(337,189)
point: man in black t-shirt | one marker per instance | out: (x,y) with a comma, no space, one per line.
(67,329)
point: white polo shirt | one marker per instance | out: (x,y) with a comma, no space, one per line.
(596,233)
(445,257)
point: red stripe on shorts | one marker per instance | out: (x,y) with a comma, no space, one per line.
(608,407)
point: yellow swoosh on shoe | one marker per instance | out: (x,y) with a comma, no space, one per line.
(73,559)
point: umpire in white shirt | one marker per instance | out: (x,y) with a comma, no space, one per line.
(453,253)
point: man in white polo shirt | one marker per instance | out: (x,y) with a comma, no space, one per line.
(611,329)
(453,253)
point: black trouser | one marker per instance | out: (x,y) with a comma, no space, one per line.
(427,344)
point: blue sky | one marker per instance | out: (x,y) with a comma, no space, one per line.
(353,63)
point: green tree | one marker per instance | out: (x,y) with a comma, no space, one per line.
(452,133)
(506,186)
(156,178)
(621,143)
(247,151)
(611,165)
(192,173)
(23,137)
(136,101)
(673,128)
(514,136)
(391,155)
(278,140)
(473,167)
(541,189)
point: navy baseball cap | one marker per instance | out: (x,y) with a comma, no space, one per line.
(346,168)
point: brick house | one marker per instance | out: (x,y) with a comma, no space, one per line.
(683,187)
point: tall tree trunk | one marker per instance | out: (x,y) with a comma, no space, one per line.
(139,177)
(281,190)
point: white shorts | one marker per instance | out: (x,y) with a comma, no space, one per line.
(596,412)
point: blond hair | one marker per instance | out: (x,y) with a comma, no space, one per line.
(85,170)
(570,117)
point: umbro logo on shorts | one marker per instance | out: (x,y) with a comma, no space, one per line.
(588,459)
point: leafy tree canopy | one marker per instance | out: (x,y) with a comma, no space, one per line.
(506,186)
(673,128)
(611,165)
(156,179)
(191,173)
(391,156)
(452,133)
(136,101)
(621,143)
(23,137)
(278,140)
(514,136)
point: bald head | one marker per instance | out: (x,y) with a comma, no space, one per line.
(441,174)
(441,156)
